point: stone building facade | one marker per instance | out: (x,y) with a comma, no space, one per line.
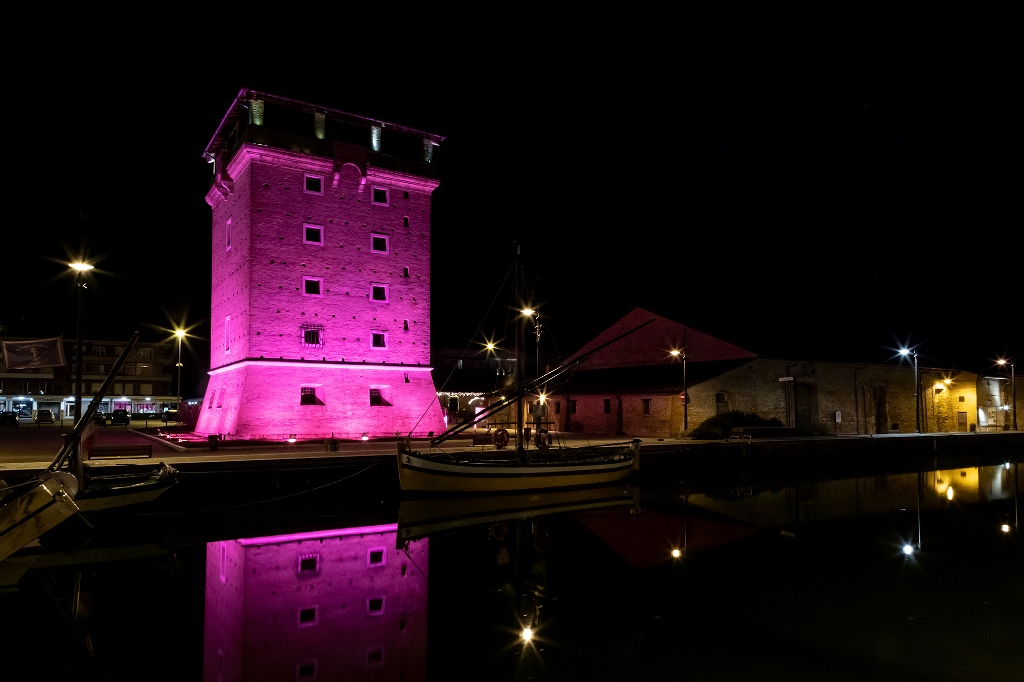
(320,308)
(636,389)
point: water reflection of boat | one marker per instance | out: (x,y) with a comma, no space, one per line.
(420,517)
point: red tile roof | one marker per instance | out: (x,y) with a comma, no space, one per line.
(651,344)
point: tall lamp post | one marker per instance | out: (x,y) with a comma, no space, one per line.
(535,317)
(80,268)
(686,398)
(917,396)
(180,333)
(1013,391)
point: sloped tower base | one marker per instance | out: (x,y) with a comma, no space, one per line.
(275,400)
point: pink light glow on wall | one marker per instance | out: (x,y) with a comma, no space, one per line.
(341,604)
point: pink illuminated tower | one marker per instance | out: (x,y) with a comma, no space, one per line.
(320,304)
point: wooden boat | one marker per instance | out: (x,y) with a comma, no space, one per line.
(63,489)
(546,467)
(420,517)
(454,472)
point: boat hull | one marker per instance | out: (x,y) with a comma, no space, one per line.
(418,473)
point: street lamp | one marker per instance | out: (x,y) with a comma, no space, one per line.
(180,333)
(1013,391)
(80,268)
(686,398)
(917,397)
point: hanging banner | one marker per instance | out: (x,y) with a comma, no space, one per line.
(36,353)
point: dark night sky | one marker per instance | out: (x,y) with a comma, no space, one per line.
(815,197)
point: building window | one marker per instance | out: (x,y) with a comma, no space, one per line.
(307,617)
(721,403)
(313,234)
(375,556)
(379,292)
(311,286)
(380,396)
(375,606)
(405,272)
(227,235)
(405,325)
(311,395)
(313,336)
(607,405)
(227,334)
(379,243)
(314,184)
(379,196)
(645,405)
(305,671)
(572,407)
(309,564)
(405,221)
(379,339)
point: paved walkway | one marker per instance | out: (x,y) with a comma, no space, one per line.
(33,447)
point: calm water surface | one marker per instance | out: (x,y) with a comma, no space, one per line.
(789,581)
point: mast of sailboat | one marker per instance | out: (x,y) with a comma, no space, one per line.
(520,450)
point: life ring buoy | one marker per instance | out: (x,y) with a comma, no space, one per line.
(543,439)
(500,439)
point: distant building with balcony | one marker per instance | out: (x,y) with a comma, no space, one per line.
(145,384)
(320,307)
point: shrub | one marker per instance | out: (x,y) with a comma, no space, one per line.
(721,425)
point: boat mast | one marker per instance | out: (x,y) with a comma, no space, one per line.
(520,449)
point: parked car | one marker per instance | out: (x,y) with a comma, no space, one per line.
(44,416)
(170,416)
(100,418)
(9,418)
(120,417)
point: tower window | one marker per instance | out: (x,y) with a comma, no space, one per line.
(380,292)
(312,335)
(405,221)
(379,196)
(307,617)
(311,395)
(375,606)
(375,557)
(312,286)
(379,243)
(309,564)
(314,184)
(380,339)
(645,405)
(313,234)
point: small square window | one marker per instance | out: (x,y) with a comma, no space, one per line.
(306,671)
(374,658)
(375,556)
(313,234)
(379,243)
(312,336)
(380,196)
(311,395)
(309,564)
(307,617)
(375,606)
(379,292)
(379,398)
(380,339)
(311,286)
(314,184)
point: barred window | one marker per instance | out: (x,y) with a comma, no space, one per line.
(313,335)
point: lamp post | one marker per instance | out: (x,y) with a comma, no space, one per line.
(80,268)
(917,396)
(532,315)
(1013,391)
(180,333)
(686,399)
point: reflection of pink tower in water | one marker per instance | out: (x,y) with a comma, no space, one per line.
(320,301)
(331,605)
